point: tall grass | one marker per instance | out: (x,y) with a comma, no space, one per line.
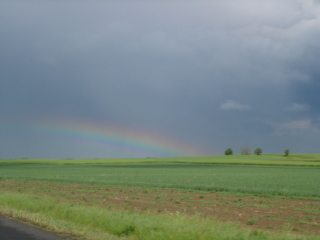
(97,223)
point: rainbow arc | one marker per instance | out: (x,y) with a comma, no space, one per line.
(120,137)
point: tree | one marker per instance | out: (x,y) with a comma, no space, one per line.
(228,151)
(245,151)
(286,152)
(258,151)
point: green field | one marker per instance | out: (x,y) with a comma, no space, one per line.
(271,175)
(266,180)
(266,159)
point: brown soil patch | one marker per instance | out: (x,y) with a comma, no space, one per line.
(300,216)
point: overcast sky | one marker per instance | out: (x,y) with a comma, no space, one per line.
(96,79)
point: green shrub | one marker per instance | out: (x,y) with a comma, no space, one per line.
(228,151)
(258,151)
(286,152)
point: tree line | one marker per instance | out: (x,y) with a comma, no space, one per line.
(247,150)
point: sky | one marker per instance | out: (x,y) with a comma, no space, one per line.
(138,78)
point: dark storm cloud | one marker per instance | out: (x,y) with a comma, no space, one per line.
(218,73)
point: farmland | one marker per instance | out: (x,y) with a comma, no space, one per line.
(312,160)
(268,193)
(267,180)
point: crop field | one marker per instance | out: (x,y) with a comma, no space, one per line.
(266,159)
(266,180)
(229,197)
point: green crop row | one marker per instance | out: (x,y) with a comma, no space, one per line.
(265,159)
(255,179)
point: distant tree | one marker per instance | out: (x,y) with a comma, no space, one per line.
(258,151)
(228,151)
(245,151)
(286,152)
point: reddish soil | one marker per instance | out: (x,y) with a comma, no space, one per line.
(300,216)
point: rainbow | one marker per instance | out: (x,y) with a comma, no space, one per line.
(138,141)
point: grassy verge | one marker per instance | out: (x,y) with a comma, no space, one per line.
(270,213)
(90,222)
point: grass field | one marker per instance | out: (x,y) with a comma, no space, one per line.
(266,159)
(267,180)
(156,198)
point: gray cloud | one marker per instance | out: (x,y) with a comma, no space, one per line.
(291,126)
(163,66)
(233,105)
(298,107)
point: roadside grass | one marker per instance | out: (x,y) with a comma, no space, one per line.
(264,159)
(88,222)
(227,207)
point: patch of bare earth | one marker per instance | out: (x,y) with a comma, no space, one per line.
(301,216)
